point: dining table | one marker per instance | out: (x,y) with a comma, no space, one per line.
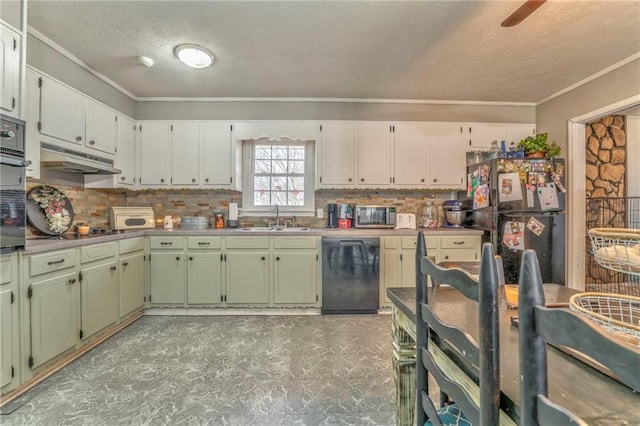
(580,386)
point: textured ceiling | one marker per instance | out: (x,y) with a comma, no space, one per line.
(431,50)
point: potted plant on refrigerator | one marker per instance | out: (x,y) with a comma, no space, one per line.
(538,147)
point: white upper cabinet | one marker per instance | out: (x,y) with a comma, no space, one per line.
(447,165)
(338,155)
(62,112)
(10,75)
(411,155)
(302,130)
(101,127)
(374,154)
(480,135)
(32,99)
(217,155)
(517,132)
(126,158)
(154,153)
(185,153)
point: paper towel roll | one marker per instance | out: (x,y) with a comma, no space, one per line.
(233,211)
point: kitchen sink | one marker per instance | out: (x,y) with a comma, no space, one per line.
(273,229)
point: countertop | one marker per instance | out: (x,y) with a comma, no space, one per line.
(39,246)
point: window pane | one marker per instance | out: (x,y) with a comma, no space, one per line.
(280,166)
(279,198)
(278,183)
(263,166)
(296,198)
(261,198)
(296,183)
(296,153)
(263,152)
(296,167)
(262,183)
(279,152)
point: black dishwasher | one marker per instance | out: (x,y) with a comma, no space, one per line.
(350,275)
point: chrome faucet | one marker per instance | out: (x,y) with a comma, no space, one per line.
(277,215)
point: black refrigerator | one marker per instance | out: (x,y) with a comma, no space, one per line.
(520,204)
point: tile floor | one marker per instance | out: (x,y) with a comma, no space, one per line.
(225,370)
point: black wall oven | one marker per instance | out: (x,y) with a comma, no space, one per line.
(13,194)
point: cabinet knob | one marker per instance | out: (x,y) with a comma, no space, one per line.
(125,263)
(78,138)
(113,268)
(92,142)
(72,280)
(435,180)
(161,180)
(193,180)
(206,180)
(350,179)
(278,258)
(446,257)
(263,258)
(190,257)
(361,179)
(422,180)
(177,257)
(122,177)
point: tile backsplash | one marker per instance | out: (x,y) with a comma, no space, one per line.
(91,206)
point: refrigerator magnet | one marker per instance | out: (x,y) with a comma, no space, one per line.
(512,235)
(548,197)
(533,180)
(481,196)
(535,226)
(542,178)
(509,186)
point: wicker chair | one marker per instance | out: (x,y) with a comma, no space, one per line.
(540,325)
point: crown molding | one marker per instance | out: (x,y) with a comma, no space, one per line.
(592,77)
(64,52)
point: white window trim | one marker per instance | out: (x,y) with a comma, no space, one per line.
(249,209)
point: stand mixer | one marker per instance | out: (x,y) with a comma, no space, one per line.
(454,214)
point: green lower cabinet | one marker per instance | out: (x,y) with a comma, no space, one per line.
(54,325)
(295,278)
(99,298)
(204,278)
(131,280)
(7,326)
(247,278)
(167,277)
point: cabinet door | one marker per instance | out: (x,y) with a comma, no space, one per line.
(408,268)
(167,277)
(411,156)
(126,151)
(295,277)
(391,273)
(32,99)
(54,326)
(61,112)
(98,295)
(185,153)
(517,132)
(374,154)
(204,276)
(10,76)
(447,165)
(482,134)
(131,282)
(338,158)
(154,154)
(247,277)
(102,127)
(217,155)
(6,336)
(463,255)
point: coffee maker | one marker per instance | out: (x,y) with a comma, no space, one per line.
(332,215)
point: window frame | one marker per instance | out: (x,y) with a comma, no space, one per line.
(248,174)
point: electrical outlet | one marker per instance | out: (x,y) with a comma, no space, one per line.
(320,213)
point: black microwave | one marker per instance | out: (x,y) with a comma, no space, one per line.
(374,217)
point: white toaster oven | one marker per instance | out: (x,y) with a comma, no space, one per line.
(122,218)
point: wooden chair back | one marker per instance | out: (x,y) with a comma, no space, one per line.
(540,325)
(450,355)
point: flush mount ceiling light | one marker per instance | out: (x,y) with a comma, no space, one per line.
(145,60)
(194,56)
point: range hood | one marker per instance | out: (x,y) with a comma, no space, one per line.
(55,158)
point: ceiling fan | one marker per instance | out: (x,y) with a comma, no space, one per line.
(522,12)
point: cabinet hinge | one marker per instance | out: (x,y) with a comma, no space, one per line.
(13,371)
(400,257)
(225,259)
(225,297)
(15,44)
(320,179)
(141,127)
(144,257)
(469,129)
(39,125)
(149,257)
(29,292)
(171,179)
(221,261)
(40,82)
(394,129)
(321,127)
(30,361)
(460,129)
(81,334)
(221,298)
(135,127)
(317,257)
(12,298)
(115,149)
(149,298)
(144,299)
(172,127)
(80,276)
(469,142)
(461,179)
(316,297)
(230,179)
(13,103)
(232,127)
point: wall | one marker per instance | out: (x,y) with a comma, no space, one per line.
(633,157)
(49,61)
(619,84)
(11,13)
(148,110)
(606,157)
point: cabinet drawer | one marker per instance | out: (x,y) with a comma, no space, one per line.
(97,252)
(50,262)
(204,242)
(461,241)
(295,242)
(6,269)
(391,242)
(133,244)
(464,255)
(247,242)
(412,242)
(166,243)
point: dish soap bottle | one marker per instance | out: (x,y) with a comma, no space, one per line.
(428,215)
